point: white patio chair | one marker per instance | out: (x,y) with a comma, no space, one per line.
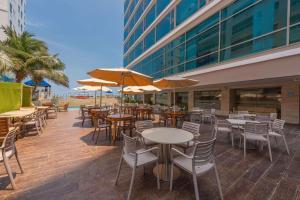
(208,115)
(135,158)
(256,132)
(277,131)
(140,127)
(8,150)
(222,126)
(192,128)
(33,122)
(199,162)
(273,116)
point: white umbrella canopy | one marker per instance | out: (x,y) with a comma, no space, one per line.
(98,82)
(174,82)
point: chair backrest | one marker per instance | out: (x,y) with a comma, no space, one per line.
(235,116)
(203,152)
(191,127)
(129,145)
(242,112)
(273,116)
(277,125)
(143,125)
(4,126)
(256,128)
(213,111)
(263,118)
(9,141)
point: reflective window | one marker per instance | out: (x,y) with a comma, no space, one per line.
(182,100)
(149,40)
(208,99)
(175,56)
(295,11)
(267,42)
(161,98)
(174,70)
(203,44)
(150,17)
(254,22)
(202,61)
(185,9)
(138,31)
(161,5)
(164,27)
(235,7)
(295,34)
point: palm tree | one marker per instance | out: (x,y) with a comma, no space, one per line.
(26,56)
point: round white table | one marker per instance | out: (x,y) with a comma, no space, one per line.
(166,137)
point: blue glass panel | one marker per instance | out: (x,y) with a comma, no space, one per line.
(146,3)
(266,16)
(150,17)
(138,50)
(267,42)
(164,27)
(175,56)
(295,11)
(138,13)
(138,31)
(149,40)
(202,3)
(295,34)
(185,9)
(236,7)
(206,60)
(175,42)
(203,26)
(161,5)
(174,70)
(203,44)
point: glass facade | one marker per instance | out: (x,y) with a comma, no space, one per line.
(244,27)
(207,99)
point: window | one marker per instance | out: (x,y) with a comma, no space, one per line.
(161,99)
(185,9)
(265,17)
(182,100)
(205,60)
(208,99)
(295,11)
(175,56)
(146,3)
(295,34)
(138,31)
(150,17)
(164,27)
(161,5)
(236,7)
(138,50)
(149,40)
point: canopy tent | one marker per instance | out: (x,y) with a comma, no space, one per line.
(174,83)
(122,76)
(43,83)
(98,82)
(5,78)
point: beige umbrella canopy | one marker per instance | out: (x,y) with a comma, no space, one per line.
(131,90)
(122,76)
(174,83)
(97,82)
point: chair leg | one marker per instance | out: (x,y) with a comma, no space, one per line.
(171,176)
(94,133)
(196,186)
(119,170)
(131,183)
(270,151)
(218,182)
(8,169)
(245,142)
(232,139)
(82,121)
(157,176)
(19,163)
(286,146)
(98,133)
(37,128)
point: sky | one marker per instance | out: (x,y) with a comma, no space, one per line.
(85,33)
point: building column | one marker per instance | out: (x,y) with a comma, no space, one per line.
(225,101)
(290,107)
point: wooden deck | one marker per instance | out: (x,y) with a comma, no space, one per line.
(63,163)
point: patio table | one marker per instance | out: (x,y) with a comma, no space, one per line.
(166,137)
(115,118)
(174,115)
(18,113)
(240,122)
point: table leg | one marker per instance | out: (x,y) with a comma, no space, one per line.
(114,131)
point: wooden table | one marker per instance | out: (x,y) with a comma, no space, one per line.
(114,119)
(23,112)
(143,111)
(166,137)
(174,115)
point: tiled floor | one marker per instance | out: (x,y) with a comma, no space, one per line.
(63,163)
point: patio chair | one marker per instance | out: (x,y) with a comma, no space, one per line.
(140,127)
(256,132)
(52,111)
(100,122)
(192,128)
(135,158)
(8,150)
(164,119)
(277,131)
(198,163)
(63,108)
(85,115)
(32,122)
(273,116)
(223,126)
(208,115)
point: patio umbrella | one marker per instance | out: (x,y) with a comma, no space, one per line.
(122,76)
(92,88)
(174,83)
(98,82)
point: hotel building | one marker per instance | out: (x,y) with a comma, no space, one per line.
(12,13)
(245,53)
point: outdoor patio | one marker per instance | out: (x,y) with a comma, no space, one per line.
(63,163)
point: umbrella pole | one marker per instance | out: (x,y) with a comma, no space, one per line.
(101,97)
(122,93)
(174,100)
(95,97)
